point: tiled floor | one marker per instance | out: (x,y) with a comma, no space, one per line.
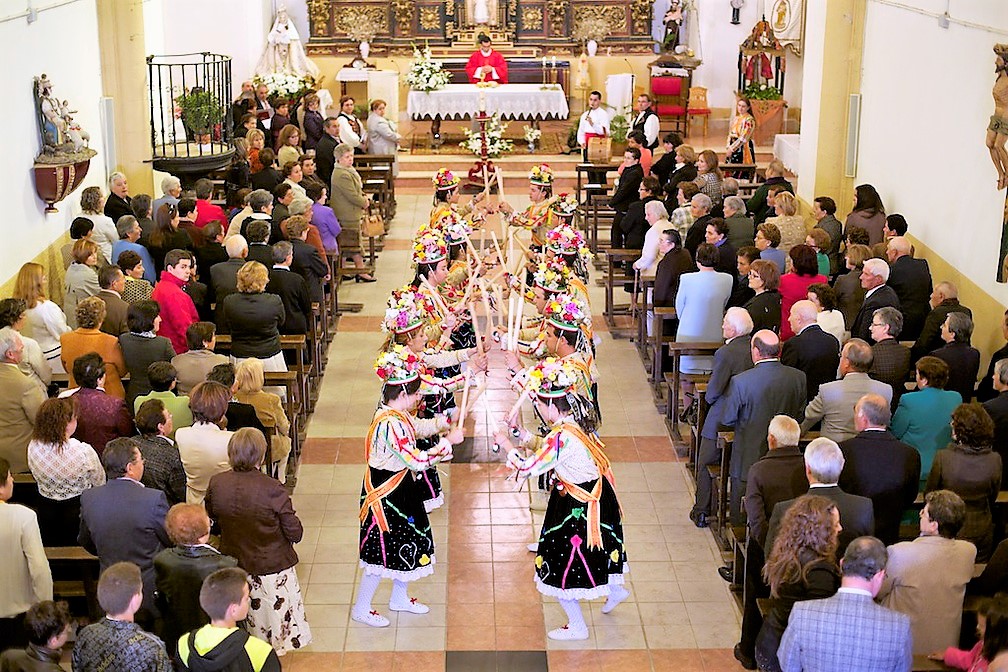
(680,615)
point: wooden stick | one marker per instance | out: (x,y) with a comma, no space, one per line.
(498,296)
(510,320)
(465,399)
(475,323)
(500,197)
(494,425)
(521,311)
(435,295)
(500,255)
(489,315)
(513,413)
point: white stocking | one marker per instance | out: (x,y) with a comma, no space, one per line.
(575,619)
(368,586)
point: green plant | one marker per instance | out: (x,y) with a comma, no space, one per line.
(360,111)
(618,128)
(762,92)
(572,135)
(200,111)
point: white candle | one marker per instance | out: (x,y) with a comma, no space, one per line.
(554,61)
(544,61)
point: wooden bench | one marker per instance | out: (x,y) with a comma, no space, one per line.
(75,575)
(611,309)
(585,185)
(599,216)
(740,171)
(677,349)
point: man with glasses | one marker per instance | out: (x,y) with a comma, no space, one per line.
(891,359)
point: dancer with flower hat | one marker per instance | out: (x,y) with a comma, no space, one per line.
(396,541)
(581,553)
(568,244)
(536,216)
(446,199)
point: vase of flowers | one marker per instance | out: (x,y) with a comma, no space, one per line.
(496,143)
(284,86)
(425,73)
(532,136)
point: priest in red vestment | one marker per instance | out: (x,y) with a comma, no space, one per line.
(488,63)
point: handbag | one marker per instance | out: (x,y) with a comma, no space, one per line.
(374,225)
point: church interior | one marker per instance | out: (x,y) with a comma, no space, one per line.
(841,94)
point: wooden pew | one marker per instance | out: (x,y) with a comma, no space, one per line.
(599,216)
(677,350)
(586,186)
(611,309)
(75,575)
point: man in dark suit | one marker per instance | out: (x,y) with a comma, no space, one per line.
(833,635)
(238,415)
(626,192)
(224,276)
(824,462)
(700,208)
(811,349)
(733,357)
(122,521)
(997,408)
(962,358)
(754,397)
(306,261)
(258,235)
(324,150)
(944,300)
(291,288)
(986,390)
(874,275)
(776,477)
(112,282)
(211,251)
(880,467)
(911,280)
(890,358)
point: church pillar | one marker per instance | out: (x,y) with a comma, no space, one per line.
(124,80)
(834,41)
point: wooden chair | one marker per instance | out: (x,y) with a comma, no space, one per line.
(669,92)
(697,106)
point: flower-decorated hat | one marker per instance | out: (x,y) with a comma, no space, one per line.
(541,175)
(566,239)
(551,276)
(455,229)
(405,312)
(445,180)
(398,365)
(565,205)
(429,247)
(552,378)
(565,312)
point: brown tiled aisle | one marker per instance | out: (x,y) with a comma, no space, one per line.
(485,611)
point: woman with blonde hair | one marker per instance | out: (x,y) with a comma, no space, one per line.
(709,177)
(288,144)
(791,225)
(256,140)
(249,379)
(801,566)
(81,279)
(44,321)
(253,318)
(850,293)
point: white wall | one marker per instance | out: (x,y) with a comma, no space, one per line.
(63,44)
(926,102)
(811,102)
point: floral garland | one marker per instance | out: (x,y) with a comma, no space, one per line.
(541,174)
(403,313)
(552,377)
(565,204)
(408,299)
(551,276)
(565,311)
(429,247)
(456,229)
(426,74)
(566,239)
(445,179)
(398,364)
(285,86)
(496,143)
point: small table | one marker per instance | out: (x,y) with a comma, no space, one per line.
(507,101)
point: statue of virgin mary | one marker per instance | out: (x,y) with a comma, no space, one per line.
(284,51)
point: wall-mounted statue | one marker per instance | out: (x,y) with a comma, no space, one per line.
(997,130)
(284,50)
(60,133)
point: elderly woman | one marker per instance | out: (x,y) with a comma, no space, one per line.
(382,135)
(13,313)
(179,571)
(288,144)
(81,279)
(136,289)
(868,213)
(765,306)
(794,285)
(709,177)
(253,319)
(141,347)
(656,216)
(634,224)
(167,236)
(249,378)
(700,305)
(323,217)
(685,167)
(88,337)
(682,213)
(791,226)
(971,468)
(741,230)
(767,241)
(44,321)
(293,174)
(259,527)
(101,417)
(63,468)
(104,233)
(801,566)
(203,446)
(963,360)
(922,417)
(163,468)
(829,317)
(850,293)
(348,201)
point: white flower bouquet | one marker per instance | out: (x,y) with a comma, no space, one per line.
(532,134)
(285,86)
(426,74)
(496,143)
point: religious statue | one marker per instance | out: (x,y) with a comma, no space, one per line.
(482,12)
(60,133)
(284,51)
(997,130)
(673,26)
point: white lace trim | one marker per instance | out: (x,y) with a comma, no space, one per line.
(580,593)
(386,573)
(436,503)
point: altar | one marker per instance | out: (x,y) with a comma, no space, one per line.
(508,101)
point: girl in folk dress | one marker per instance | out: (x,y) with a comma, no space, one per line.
(740,136)
(396,541)
(581,554)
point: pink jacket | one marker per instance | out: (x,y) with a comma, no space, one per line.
(177,310)
(970,660)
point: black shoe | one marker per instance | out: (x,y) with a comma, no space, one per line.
(727,573)
(748,662)
(699,518)
(361,278)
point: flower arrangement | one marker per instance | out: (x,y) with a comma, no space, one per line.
(398,364)
(429,247)
(403,313)
(552,377)
(496,143)
(531,134)
(565,205)
(408,299)
(285,86)
(445,180)
(566,239)
(566,312)
(541,175)
(426,74)
(456,229)
(762,92)
(551,276)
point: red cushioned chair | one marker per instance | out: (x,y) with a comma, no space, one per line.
(670,95)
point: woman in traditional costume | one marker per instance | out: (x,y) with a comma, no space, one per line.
(446,199)
(740,135)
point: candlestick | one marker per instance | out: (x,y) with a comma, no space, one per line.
(554,61)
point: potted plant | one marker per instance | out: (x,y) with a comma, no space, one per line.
(496,143)
(618,129)
(532,136)
(201,113)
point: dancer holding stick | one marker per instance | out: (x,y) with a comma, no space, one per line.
(535,217)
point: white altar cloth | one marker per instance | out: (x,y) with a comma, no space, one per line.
(509,101)
(787,148)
